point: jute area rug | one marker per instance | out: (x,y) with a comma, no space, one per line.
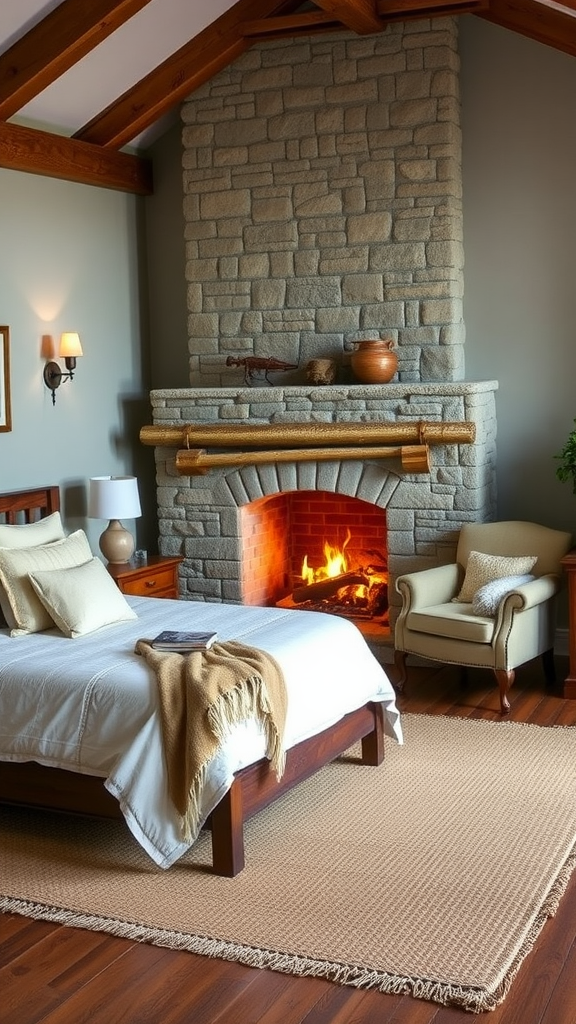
(431,875)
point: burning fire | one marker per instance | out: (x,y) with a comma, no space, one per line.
(336,563)
(360,588)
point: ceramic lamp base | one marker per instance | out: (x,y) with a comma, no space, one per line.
(117,543)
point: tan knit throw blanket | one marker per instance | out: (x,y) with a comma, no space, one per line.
(202,695)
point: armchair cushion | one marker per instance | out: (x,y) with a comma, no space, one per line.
(488,597)
(452,620)
(482,568)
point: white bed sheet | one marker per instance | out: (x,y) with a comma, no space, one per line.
(90,704)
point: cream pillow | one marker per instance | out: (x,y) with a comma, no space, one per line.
(29,535)
(482,569)
(24,611)
(81,599)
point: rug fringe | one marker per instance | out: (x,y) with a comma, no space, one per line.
(474,1000)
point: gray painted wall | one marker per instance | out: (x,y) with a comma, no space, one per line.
(519,169)
(69,260)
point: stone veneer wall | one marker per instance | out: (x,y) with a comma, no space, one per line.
(199,517)
(322,202)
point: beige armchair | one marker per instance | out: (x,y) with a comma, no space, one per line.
(447,617)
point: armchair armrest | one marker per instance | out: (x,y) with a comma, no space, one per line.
(428,586)
(524,624)
(528,595)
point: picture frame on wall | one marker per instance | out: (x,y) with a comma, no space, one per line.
(5,412)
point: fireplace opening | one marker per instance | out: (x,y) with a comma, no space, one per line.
(317,551)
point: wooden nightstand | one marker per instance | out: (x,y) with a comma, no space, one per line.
(158,577)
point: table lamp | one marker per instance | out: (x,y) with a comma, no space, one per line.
(114,498)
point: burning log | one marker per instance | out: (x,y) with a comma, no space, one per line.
(323,589)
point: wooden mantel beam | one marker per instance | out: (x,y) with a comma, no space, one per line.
(306,435)
(55,156)
(414,458)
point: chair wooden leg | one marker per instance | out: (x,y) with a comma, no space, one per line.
(505,680)
(549,667)
(400,663)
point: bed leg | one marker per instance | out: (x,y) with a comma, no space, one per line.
(227,824)
(373,743)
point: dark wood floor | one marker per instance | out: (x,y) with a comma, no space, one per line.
(57,975)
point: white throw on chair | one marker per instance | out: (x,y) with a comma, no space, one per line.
(495,607)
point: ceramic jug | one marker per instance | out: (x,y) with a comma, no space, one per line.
(375,361)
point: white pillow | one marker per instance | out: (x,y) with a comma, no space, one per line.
(30,535)
(482,569)
(23,610)
(81,599)
(488,597)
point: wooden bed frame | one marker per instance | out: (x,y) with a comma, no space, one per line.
(34,785)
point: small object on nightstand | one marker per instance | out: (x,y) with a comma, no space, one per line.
(157,577)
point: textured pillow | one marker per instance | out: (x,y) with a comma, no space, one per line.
(488,597)
(482,569)
(30,535)
(81,599)
(23,610)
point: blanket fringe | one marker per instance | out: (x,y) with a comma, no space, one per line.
(247,700)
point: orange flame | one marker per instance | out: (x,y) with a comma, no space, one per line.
(336,563)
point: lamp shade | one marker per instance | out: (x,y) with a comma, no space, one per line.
(70,345)
(113,497)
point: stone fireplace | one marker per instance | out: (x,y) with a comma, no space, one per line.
(322,204)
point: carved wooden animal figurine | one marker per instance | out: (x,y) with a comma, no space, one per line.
(254,365)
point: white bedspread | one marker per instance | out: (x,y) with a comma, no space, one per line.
(90,704)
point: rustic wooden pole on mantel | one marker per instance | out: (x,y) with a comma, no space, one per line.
(306,435)
(195,461)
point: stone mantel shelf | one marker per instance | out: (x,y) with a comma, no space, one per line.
(371,392)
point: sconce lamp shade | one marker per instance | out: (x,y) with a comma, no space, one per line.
(70,346)
(70,349)
(115,498)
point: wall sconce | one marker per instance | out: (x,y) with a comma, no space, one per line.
(70,349)
(114,498)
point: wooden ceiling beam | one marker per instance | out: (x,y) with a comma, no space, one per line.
(290,25)
(196,62)
(543,20)
(406,10)
(56,156)
(54,45)
(359,16)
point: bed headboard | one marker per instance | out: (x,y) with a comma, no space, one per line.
(28,506)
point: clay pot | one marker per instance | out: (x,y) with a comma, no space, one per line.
(374,362)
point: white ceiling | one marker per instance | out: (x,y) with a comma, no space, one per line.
(121,60)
